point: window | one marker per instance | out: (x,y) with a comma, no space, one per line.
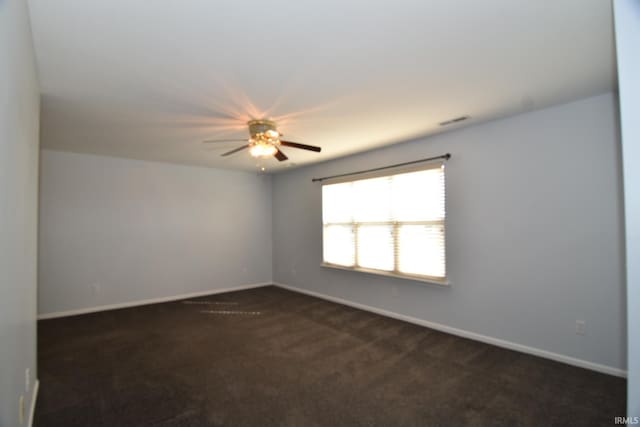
(393,225)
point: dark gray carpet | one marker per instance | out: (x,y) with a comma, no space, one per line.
(294,360)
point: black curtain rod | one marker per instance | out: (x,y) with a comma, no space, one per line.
(444,156)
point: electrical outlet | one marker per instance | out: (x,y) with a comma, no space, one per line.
(27,380)
(21,409)
(580,327)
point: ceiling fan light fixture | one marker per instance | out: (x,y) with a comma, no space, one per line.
(262,149)
(272,134)
(265,141)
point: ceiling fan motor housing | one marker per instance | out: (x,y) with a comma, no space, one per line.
(264,127)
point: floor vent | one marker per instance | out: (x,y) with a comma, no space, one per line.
(232,312)
(209,303)
(452,121)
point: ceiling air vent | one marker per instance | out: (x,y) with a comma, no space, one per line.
(452,121)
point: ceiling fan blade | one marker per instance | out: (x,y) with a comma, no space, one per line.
(224,140)
(280,155)
(303,146)
(235,150)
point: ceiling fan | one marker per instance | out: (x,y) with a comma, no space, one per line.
(265,141)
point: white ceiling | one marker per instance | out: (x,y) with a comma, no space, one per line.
(151,80)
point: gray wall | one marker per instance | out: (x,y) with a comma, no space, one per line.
(116,230)
(535,234)
(19,125)
(627,18)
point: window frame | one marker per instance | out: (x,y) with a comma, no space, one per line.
(395,273)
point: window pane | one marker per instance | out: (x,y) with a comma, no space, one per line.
(339,245)
(419,196)
(396,221)
(372,199)
(337,203)
(375,247)
(421,250)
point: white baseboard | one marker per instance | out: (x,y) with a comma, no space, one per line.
(34,397)
(76,312)
(467,334)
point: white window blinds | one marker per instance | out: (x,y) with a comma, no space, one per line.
(393,224)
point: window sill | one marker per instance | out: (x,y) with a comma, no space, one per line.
(444,282)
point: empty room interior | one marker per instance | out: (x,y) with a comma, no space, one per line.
(336,213)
